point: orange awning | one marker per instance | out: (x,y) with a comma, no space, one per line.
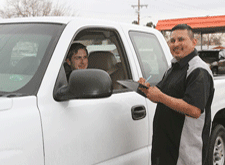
(209,24)
(219,47)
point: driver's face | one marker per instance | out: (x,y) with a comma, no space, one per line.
(79,60)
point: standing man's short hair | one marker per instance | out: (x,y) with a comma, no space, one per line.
(184,27)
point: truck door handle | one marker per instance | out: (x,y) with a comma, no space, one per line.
(138,112)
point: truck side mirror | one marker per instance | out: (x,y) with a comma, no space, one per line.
(85,83)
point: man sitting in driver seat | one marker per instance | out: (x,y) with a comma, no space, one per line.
(77,58)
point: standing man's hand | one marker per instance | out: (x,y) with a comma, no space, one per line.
(143,82)
(179,105)
(152,93)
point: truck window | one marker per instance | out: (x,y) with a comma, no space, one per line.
(105,51)
(22,50)
(150,56)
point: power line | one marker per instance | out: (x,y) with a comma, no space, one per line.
(139,6)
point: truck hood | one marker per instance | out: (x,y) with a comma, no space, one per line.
(6,103)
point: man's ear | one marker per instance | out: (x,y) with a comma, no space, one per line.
(68,61)
(195,41)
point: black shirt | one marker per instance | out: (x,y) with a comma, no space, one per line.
(177,138)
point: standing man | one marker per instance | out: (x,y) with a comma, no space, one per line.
(77,58)
(182,120)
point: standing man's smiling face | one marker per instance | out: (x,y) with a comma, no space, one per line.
(181,44)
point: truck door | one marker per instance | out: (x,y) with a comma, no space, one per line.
(96,131)
(150,55)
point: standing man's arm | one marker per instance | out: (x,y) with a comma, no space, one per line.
(179,105)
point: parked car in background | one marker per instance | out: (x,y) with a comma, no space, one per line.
(215,59)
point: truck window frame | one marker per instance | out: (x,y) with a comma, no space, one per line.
(119,45)
(132,34)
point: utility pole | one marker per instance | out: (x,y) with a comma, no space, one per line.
(138,11)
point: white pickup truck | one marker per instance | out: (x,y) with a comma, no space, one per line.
(91,119)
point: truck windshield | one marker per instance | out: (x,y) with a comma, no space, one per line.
(24,51)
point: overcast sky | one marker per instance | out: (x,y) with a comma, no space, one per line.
(121,10)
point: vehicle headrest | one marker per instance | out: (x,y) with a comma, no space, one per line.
(104,60)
